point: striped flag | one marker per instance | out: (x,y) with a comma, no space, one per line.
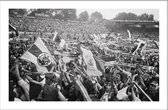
(100,63)
(92,65)
(40,56)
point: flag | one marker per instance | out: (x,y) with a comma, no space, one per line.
(134,97)
(129,34)
(100,64)
(58,40)
(140,47)
(96,39)
(62,43)
(156,43)
(55,35)
(67,59)
(92,66)
(40,56)
(108,58)
(103,35)
(122,93)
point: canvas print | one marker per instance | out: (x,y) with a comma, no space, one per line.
(83,54)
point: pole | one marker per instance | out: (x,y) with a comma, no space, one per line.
(142,91)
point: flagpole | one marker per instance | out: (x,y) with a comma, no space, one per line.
(83,74)
(142,91)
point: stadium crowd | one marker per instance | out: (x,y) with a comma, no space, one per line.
(47,25)
(71,83)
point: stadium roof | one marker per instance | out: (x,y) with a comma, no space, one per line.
(140,22)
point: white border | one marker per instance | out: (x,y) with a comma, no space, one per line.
(161,5)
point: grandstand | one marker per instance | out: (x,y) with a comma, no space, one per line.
(45,26)
(138,22)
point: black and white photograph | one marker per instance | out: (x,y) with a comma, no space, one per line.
(83,55)
(57,55)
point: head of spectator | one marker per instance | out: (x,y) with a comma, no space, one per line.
(50,78)
(154,85)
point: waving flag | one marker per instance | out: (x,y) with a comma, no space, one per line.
(129,34)
(141,45)
(156,43)
(40,56)
(108,59)
(122,93)
(55,35)
(100,63)
(92,65)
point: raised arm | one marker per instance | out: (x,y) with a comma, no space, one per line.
(17,73)
(33,81)
(61,96)
(21,82)
(123,71)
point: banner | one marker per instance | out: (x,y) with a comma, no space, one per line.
(128,65)
(40,56)
(92,69)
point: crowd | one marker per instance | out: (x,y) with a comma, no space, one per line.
(70,82)
(74,30)
(47,25)
(143,33)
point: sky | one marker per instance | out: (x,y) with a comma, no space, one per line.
(111,13)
